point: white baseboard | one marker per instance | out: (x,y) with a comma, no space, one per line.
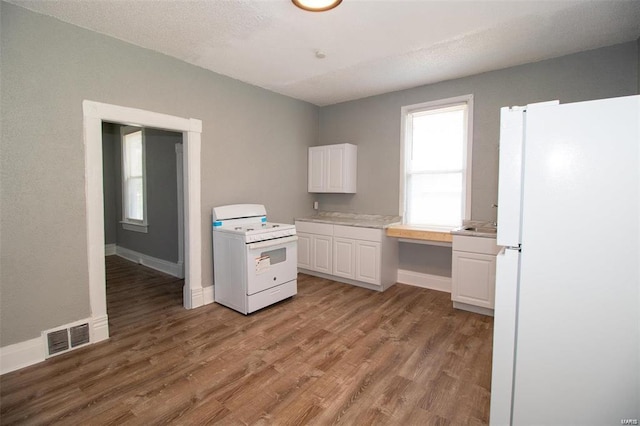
(472,308)
(171,268)
(99,329)
(20,355)
(192,298)
(419,279)
(33,351)
(109,249)
(207,294)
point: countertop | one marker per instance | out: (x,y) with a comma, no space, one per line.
(484,229)
(394,227)
(353,219)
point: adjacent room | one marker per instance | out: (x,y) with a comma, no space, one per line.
(335,212)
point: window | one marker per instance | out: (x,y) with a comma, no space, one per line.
(436,162)
(134,215)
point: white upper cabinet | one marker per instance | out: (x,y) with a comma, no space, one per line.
(333,168)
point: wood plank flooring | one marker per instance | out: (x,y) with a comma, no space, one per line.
(333,354)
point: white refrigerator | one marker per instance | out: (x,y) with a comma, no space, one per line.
(567,305)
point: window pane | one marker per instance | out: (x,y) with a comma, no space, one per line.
(133,146)
(438,139)
(134,199)
(133,171)
(434,199)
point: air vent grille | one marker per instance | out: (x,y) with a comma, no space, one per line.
(57,341)
(64,339)
(79,335)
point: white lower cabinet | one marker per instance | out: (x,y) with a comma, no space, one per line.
(321,259)
(474,273)
(304,250)
(314,248)
(367,261)
(351,254)
(344,256)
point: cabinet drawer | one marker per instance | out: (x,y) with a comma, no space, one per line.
(357,233)
(475,244)
(314,228)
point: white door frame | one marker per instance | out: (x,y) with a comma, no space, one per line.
(180,203)
(93,115)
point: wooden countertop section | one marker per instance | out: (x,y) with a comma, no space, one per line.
(423,234)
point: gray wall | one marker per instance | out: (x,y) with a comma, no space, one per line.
(161,240)
(254,149)
(374,125)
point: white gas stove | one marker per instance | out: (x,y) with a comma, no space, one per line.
(254,261)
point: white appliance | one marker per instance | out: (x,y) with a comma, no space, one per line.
(254,261)
(567,305)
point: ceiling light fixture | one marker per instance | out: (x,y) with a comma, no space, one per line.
(316,5)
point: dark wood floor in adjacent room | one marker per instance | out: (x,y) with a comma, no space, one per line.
(334,354)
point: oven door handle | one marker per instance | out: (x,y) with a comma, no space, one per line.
(272,243)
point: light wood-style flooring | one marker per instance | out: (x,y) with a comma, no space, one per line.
(333,354)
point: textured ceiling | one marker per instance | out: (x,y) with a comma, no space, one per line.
(371,46)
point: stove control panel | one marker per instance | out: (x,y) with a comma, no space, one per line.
(276,233)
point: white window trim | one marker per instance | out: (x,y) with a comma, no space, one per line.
(128,223)
(467,150)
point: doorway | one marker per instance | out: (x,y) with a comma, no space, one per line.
(94,113)
(154,237)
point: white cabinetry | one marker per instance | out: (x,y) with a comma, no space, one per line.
(344,258)
(333,168)
(361,256)
(474,273)
(314,246)
(368,261)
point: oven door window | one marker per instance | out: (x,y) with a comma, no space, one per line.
(271,266)
(275,256)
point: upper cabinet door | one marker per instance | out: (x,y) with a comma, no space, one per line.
(317,169)
(333,168)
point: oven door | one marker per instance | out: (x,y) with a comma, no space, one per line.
(271,263)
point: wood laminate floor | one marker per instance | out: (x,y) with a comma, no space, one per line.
(333,354)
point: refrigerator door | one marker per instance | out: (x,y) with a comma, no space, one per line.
(578,337)
(510,176)
(504,336)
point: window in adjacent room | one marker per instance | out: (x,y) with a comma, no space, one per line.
(436,162)
(134,209)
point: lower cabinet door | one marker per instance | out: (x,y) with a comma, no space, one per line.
(304,251)
(368,262)
(473,279)
(344,256)
(322,254)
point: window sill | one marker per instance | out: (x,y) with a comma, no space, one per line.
(135,227)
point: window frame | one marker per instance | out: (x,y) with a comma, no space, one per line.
(467,153)
(130,224)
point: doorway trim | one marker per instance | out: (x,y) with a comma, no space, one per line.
(94,113)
